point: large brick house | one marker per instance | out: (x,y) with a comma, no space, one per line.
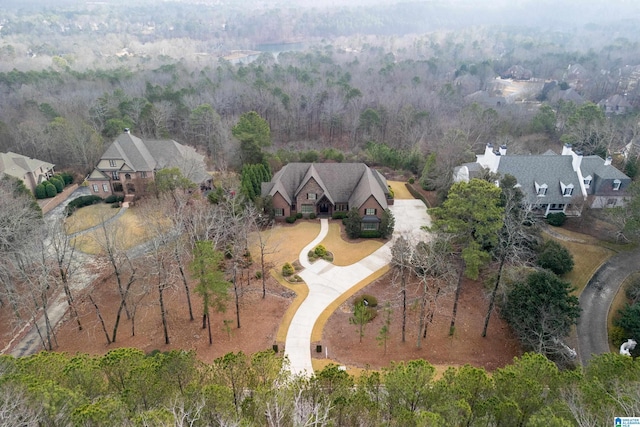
(30,171)
(554,183)
(130,163)
(325,188)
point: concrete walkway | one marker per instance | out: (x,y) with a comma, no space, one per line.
(327,282)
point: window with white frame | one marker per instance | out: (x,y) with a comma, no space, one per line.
(278,211)
(306,209)
(311,196)
(616,184)
(587,181)
(114,175)
(105,188)
(568,191)
(112,163)
(95,188)
(541,189)
(370,211)
(143,174)
(366,226)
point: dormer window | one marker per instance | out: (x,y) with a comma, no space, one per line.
(567,190)
(541,190)
(616,184)
(587,181)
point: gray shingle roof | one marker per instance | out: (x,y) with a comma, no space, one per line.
(351,183)
(18,166)
(149,155)
(549,170)
(602,174)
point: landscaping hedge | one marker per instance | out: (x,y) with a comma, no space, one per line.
(81,202)
(339,215)
(58,183)
(291,219)
(112,198)
(50,189)
(370,234)
(556,219)
(416,194)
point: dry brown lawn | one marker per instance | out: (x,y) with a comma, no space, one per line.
(130,231)
(346,253)
(284,242)
(89,216)
(588,256)
(400,191)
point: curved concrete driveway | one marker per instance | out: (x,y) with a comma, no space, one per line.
(596,299)
(326,282)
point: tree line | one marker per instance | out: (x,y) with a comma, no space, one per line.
(129,388)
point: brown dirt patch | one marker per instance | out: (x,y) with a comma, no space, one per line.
(259,321)
(439,348)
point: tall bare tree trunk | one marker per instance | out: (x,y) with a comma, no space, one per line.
(163,313)
(403,280)
(184,281)
(237,296)
(492,301)
(104,328)
(452,327)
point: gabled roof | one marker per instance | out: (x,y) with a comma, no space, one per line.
(542,169)
(312,173)
(133,151)
(98,175)
(351,183)
(18,166)
(149,155)
(602,174)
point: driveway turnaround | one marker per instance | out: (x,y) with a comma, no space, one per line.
(596,299)
(327,282)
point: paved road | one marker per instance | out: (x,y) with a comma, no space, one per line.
(327,282)
(596,299)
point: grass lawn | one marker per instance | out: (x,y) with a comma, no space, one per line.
(346,253)
(588,256)
(400,191)
(130,231)
(89,216)
(284,242)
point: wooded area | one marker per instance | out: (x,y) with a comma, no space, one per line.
(126,387)
(72,79)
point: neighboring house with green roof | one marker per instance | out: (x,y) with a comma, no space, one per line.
(325,188)
(554,183)
(30,171)
(130,163)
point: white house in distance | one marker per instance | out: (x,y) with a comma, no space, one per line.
(554,183)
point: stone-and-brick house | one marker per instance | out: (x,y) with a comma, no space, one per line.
(30,171)
(130,163)
(554,183)
(325,188)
